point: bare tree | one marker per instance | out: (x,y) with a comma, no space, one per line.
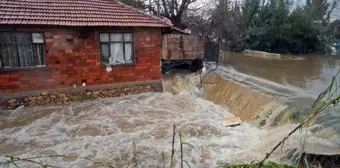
(221,20)
(204,21)
(139,4)
(323,9)
(174,10)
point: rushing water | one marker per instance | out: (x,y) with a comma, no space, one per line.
(105,129)
(312,74)
(297,82)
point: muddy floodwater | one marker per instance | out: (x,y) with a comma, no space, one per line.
(297,82)
(106,129)
(311,73)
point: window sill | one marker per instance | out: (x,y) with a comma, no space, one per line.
(116,65)
(22,69)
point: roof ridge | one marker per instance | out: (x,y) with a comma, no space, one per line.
(143,12)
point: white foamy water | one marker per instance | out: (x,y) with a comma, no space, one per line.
(263,85)
(105,129)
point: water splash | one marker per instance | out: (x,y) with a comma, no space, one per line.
(262,85)
(105,129)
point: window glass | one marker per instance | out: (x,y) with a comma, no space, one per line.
(21,49)
(38,38)
(116,37)
(118,49)
(104,37)
(105,53)
(128,52)
(128,37)
(5,37)
(22,37)
(117,54)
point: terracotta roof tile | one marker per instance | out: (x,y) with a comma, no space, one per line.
(76,13)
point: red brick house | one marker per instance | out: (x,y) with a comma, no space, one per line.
(46,45)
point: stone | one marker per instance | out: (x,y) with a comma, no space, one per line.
(75,98)
(61,95)
(12,105)
(88,93)
(113,90)
(66,99)
(31,103)
(10,101)
(148,87)
(126,89)
(40,102)
(44,93)
(53,96)
(96,93)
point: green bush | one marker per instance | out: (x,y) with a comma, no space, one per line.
(277,27)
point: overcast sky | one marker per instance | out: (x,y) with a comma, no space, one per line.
(335,15)
(211,4)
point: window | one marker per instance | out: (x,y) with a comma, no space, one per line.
(18,49)
(116,48)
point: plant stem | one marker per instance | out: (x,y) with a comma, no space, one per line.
(15,159)
(320,109)
(173,146)
(181,144)
(163,158)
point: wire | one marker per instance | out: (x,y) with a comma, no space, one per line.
(201,83)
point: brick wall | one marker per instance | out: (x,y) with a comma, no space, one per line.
(69,63)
